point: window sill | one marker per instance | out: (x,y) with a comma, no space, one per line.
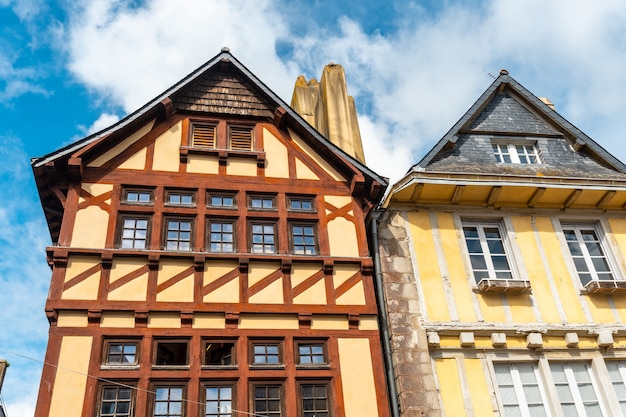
(132,367)
(170,367)
(265,367)
(605,287)
(313,367)
(219,367)
(514,286)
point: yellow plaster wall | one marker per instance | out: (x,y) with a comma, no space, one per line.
(562,278)
(491,307)
(531,257)
(269,321)
(164,320)
(167,150)
(181,291)
(450,387)
(618,232)
(356,294)
(209,321)
(227,293)
(316,294)
(273,293)
(329,322)
(96,189)
(276,156)
(92,219)
(123,145)
(303,172)
(203,164)
(136,161)
(135,290)
(357,378)
(342,237)
(456,270)
(368,322)
(244,167)
(70,382)
(428,270)
(478,388)
(118,319)
(313,155)
(86,289)
(72,318)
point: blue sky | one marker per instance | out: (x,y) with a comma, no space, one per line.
(69,68)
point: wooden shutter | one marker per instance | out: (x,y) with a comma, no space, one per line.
(240,138)
(203,135)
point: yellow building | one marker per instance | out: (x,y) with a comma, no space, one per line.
(503,257)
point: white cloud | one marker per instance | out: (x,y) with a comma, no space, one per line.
(105,120)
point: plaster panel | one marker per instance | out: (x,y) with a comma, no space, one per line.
(96,221)
(368,322)
(316,294)
(209,321)
(303,172)
(87,289)
(167,150)
(118,319)
(72,318)
(134,290)
(357,378)
(479,391)
(227,293)
(316,157)
(123,145)
(342,238)
(450,389)
(180,291)
(164,320)
(244,167)
(71,377)
(329,322)
(136,161)
(269,321)
(276,156)
(203,164)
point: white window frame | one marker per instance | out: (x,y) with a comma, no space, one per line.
(604,246)
(518,386)
(508,251)
(510,149)
(574,387)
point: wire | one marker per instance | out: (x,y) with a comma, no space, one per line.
(3,409)
(108,381)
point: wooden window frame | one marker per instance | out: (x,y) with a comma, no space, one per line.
(192,129)
(106,347)
(168,384)
(251,225)
(140,191)
(209,232)
(266,342)
(292,236)
(170,193)
(231,127)
(297,198)
(130,385)
(233,353)
(300,397)
(263,198)
(155,354)
(222,195)
(311,342)
(219,384)
(122,217)
(280,384)
(166,221)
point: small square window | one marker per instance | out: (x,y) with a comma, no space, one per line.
(314,400)
(222,200)
(266,353)
(171,353)
(134,232)
(138,196)
(218,400)
(262,202)
(120,353)
(263,238)
(311,353)
(267,400)
(178,234)
(303,240)
(301,204)
(221,236)
(219,353)
(169,401)
(116,401)
(180,198)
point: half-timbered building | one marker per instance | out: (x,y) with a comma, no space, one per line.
(210,258)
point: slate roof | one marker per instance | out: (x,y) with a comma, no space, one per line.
(509,112)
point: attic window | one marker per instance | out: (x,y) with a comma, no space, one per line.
(240,138)
(516,153)
(203,135)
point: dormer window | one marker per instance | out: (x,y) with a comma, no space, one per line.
(516,153)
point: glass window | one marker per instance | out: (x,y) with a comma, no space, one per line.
(222,200)
(263,202)
(221,236)
(172,353)
(314,399)
(487,251)
(267,400)
(511,153)
(218,401)
(303,240)
(301,204)
(588,254)
(134,232)
(576,389)
(137,196)
(116,401)
(168,401)
(617,373)
(121,353)
(311,353)
(219,353)
(520,392)
(263,236)
(178,234)
(177,198)
(266,353)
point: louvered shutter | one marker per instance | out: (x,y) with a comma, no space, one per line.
(203,135)
(240,138)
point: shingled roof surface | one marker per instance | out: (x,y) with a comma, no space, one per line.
(508,113)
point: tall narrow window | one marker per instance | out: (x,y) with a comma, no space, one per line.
(617,372)
(116,401)
(134,232)
(221,236)
(486,250)
(587,252)
(218,401)
(263,238)
(520,392)
(303,239)
(314,400)
(168,401)
(178,234)
(578,393)
(267,400)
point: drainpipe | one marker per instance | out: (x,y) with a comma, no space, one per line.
(383,321)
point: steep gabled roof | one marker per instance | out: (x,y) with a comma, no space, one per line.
(266,100)
(507,109)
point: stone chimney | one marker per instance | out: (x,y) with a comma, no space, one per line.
(328,108)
